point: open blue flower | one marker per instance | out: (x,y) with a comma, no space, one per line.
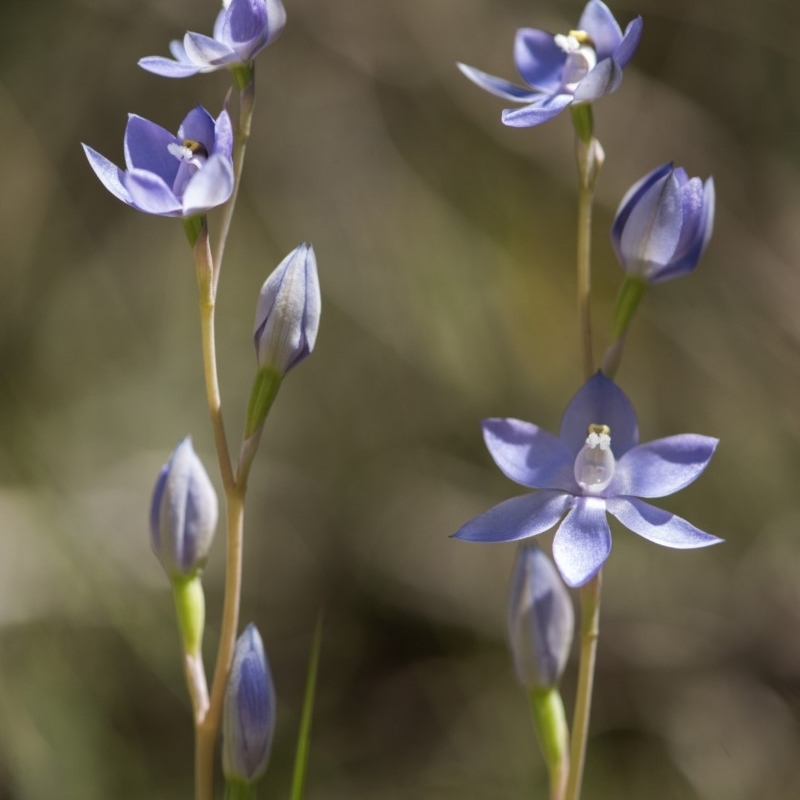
(594,465)
(242,29)
(663,224)
(577,67)
(173,176)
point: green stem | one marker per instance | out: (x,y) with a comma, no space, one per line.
(590,629)
(304,735)
(239,791)
(550,723)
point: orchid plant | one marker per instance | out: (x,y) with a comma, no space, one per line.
(596,465)
(185,176)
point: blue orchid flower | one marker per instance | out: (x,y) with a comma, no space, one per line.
(595,465)
(562,69)
(172,176)
(242,29)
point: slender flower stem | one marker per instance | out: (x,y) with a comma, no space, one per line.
(208,271)
(205,284)
(585,196)
(590,630)
(208,729)
(247,99)
(589,157)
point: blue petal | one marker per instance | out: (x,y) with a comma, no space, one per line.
(657,525)
(111,176)
(529,455)
(209,187)
(146,148)
(223,135)
(629,202)
(198,125)
(536,113)
(699,226)
(526,515)
(653,229)
(600,401)
(633,33)
(205,51)
(150,194)
(583,541)
(246,21)
(603,79)
(539,59)
(168,68)
(498,86)
(662,467)
(601,26)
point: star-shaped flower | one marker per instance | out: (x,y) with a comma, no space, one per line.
(594,465)
(172,176)
(242,29)
(577,67)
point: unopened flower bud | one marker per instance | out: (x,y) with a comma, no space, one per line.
(183,513)
(663,224)
(540,620)
(287,315)
(249,716)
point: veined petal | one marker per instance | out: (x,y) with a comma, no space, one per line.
(219,26)
(146,148)
(109,173)
(168,68)
(654,228)
(539,59)
(526,515)
(663,466)
(657,525)
(208,52)
(629,201)
(583,541)
(149,193)
(688,254)
(603,79)
(198,125)
(223,134)
(498,86)
(529,455)
(209,187)
(600,402)
(534,114)
(246,20)
(630,41)
(598,21)
(276,19)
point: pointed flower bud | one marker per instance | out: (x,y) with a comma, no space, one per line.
(287,315)
(663,224)
(248,721)
(183,514)
(540,620)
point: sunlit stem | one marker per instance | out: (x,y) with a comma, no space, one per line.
(549,720)
(247,99)
(208,271)
(590,629)
(589,156)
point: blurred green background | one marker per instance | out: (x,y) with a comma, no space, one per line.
(445,246)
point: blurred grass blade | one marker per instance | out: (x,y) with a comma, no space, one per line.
(304,736)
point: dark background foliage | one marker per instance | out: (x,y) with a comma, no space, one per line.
(445,244)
